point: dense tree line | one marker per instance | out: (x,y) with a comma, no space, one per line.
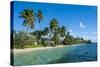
(52,35)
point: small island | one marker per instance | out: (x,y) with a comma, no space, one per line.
(52,35)
(43,33)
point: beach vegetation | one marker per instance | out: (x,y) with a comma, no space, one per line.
(52,35)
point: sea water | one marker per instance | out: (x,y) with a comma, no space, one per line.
(73,53)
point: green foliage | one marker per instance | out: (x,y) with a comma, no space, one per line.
(88,41)
(33,46)
(53,25)
(63,31)
(68,40)
(45,31)
(50,36)
(39,15)
(29,17)
(56,40)
(44,42)
(21,39)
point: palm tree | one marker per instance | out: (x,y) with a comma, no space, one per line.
(53,25)
(39,15)
(46,31)
(54,30)
(40,18)
(29,18)
(63,31)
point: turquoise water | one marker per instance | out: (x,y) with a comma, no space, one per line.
(74,53)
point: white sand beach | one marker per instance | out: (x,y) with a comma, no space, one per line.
(34,49)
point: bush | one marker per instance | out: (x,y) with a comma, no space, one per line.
(22,39)
(67,41)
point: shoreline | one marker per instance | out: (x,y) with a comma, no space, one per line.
(68,53)
(34,49)
(40,48)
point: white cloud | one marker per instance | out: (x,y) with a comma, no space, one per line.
(94,33)
(82,25)
(90,33)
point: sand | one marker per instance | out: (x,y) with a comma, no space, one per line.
(34,49)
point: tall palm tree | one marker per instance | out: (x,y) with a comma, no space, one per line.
(29,18)
(54,30)
(53,25)
(40,18)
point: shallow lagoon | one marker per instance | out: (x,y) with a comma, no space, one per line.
(73,53)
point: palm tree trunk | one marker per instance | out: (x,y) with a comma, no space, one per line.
(40,32)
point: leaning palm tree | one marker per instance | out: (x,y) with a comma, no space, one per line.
(39,16)
(29,18)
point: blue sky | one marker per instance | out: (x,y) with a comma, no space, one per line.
(80,20)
